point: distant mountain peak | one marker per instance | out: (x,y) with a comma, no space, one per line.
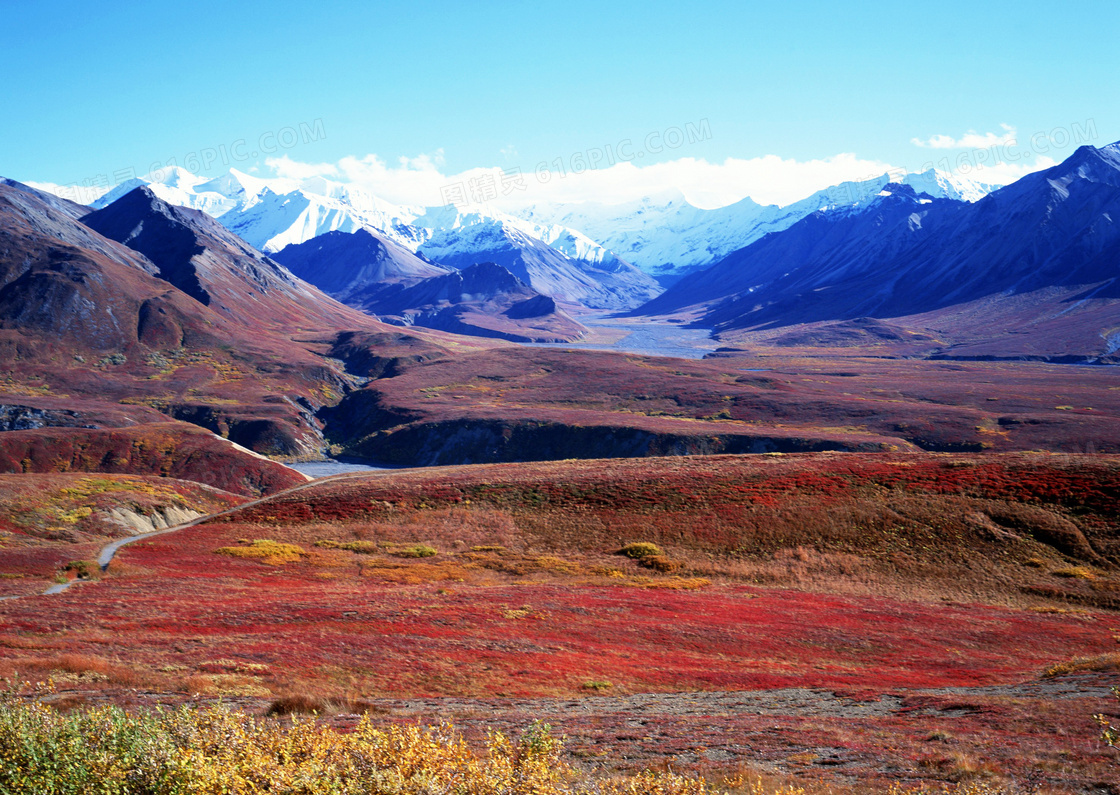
(903,189)
(234,184)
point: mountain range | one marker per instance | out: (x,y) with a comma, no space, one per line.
(1028,269)
(1021,270)
(142,322)
(273,214)
(667,237)
(369,272)
(583,253)
(131,331)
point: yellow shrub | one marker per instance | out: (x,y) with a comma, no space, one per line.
(640,549)
(272,553)
(76,515)
(218,750)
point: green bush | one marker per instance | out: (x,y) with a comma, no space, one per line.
(640,549)
(417,551)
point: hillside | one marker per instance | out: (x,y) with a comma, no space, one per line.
(712,598)
(517,404)
(92,329)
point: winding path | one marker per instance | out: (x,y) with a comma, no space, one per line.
(109,551)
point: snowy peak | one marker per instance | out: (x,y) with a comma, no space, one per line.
(942,185)
(233,184)
(1025,255)
(437,221)
(666,236)
(272,214)
(180,178)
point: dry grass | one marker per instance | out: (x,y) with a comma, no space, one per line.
(1100,663)
(304,704)
(88,671)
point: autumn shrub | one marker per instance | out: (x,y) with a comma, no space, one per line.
(1099,663)
(218,750)
(273,553)
(1075,573)
(1109,733)
(413,573)
(84,668)
(300,704)
(640,549)
(361,547)
(661,563)
(82,569)
(415,551)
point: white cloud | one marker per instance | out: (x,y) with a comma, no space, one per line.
(1006,173)
(293,169)
(412,180)
(970,140)
(767,180)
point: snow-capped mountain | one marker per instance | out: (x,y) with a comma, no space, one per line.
(833,243)
(275,213)
(579,253)
(270,214)
(1037,258)
(667,237)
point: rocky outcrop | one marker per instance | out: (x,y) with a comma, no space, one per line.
(140,522)
(476,441)
(27,418)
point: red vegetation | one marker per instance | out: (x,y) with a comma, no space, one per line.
(54,525)
(175,450)
(533,404)
(882,579)
(537,600)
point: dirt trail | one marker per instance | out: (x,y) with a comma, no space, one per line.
(109,551)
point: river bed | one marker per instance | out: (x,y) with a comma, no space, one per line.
(323,469)
(643,337)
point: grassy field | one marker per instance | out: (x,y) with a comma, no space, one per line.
(913,618)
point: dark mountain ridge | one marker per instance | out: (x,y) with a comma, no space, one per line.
(1041,254)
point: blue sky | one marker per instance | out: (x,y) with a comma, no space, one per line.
(98,90)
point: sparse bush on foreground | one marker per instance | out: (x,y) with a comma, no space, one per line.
(219,750)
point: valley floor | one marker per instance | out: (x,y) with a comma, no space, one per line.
(641,336)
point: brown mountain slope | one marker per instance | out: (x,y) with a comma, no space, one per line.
(88,325)
(203,259)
